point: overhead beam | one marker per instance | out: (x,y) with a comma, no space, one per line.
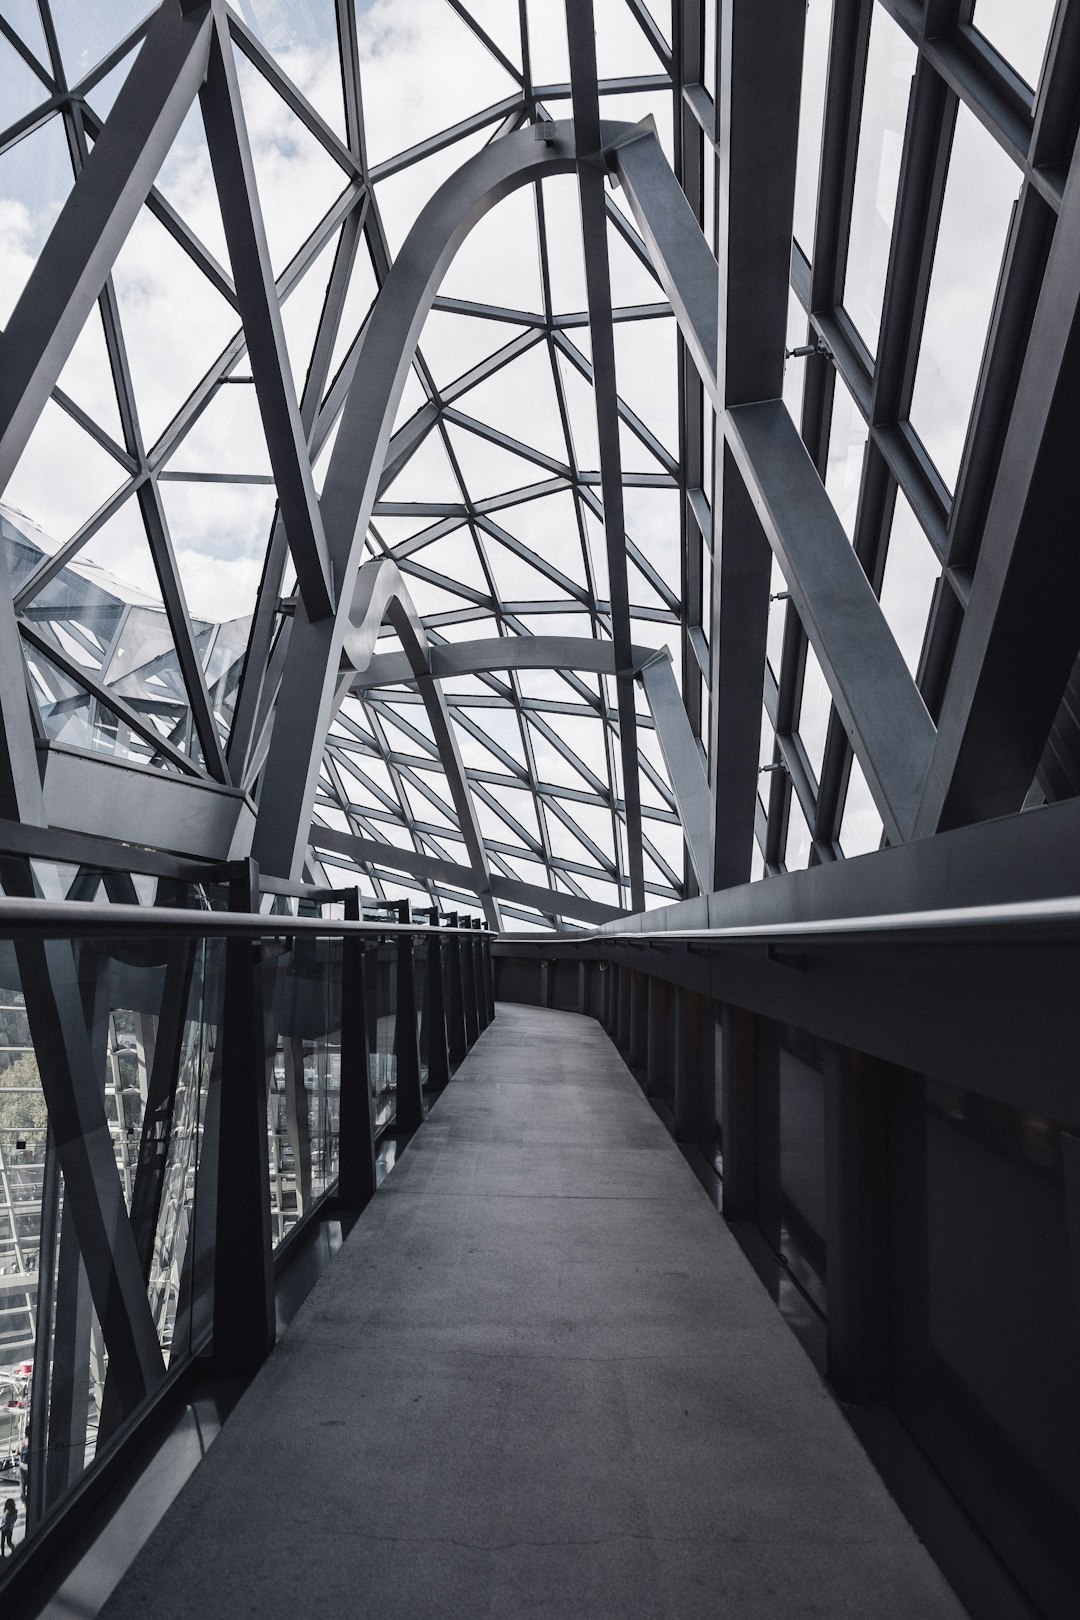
(873,690)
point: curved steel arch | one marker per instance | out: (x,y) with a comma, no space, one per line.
(685,765)
(310,687)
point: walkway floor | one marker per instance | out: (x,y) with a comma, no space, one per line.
(541,1380)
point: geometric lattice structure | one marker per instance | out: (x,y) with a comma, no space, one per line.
(551,460)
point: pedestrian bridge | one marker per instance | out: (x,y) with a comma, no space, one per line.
(540,1379)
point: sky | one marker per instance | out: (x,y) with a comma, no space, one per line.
(215,483)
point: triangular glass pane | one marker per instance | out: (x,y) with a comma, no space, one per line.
(448,71)
(426,476)
(228,436)
(487,468)
(359,297)
(25,18)
(548,526)
(453,344)
(186,180)
(174,321)
(35,179)
(401,196)
(302,311)
(621,46)
(516,580)
(631,282)
(303,40)
(119,560)
(652,522)
(498,262)
(63,475)
(102,98)
(87,33)
(500,23)
(23,90)
(581,409)
(297,179)
(431,599)
(646,376)
(634,455)
(220,534)
(88,380)
(521,399)
(642,593)
(566,259)
(454,556)
(74,717)
(548,49)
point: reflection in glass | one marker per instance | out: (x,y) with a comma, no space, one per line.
(912,571)
(889,66)
(981,189)
(1018,31)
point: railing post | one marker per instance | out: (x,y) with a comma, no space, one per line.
(478,976)
(489,976)
(244,1326)
(356,1119)
(410,1093)
(435,1009)
(456,1036)
(468,985)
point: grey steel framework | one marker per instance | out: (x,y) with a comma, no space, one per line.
(814,721)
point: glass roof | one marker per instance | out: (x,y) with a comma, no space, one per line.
(142,525)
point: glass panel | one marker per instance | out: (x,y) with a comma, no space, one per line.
(848,434)
(982,186)
(1018,32)
(799,838)
(860,827)
(889,68)
(811,118)
(912,571)
(814,713)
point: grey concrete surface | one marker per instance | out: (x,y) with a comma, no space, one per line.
(541,1380)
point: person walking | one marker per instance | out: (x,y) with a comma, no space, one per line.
(7,1527)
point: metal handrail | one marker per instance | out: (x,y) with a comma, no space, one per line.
(90,919)
(1020,919)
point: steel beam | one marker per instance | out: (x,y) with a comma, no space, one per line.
(103,205)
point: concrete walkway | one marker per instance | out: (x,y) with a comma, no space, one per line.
(540,1380)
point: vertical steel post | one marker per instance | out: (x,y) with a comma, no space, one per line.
(435,1009)
(468,985)
(244,1327)
(410,1092)
(456,1034)
(356,1119)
